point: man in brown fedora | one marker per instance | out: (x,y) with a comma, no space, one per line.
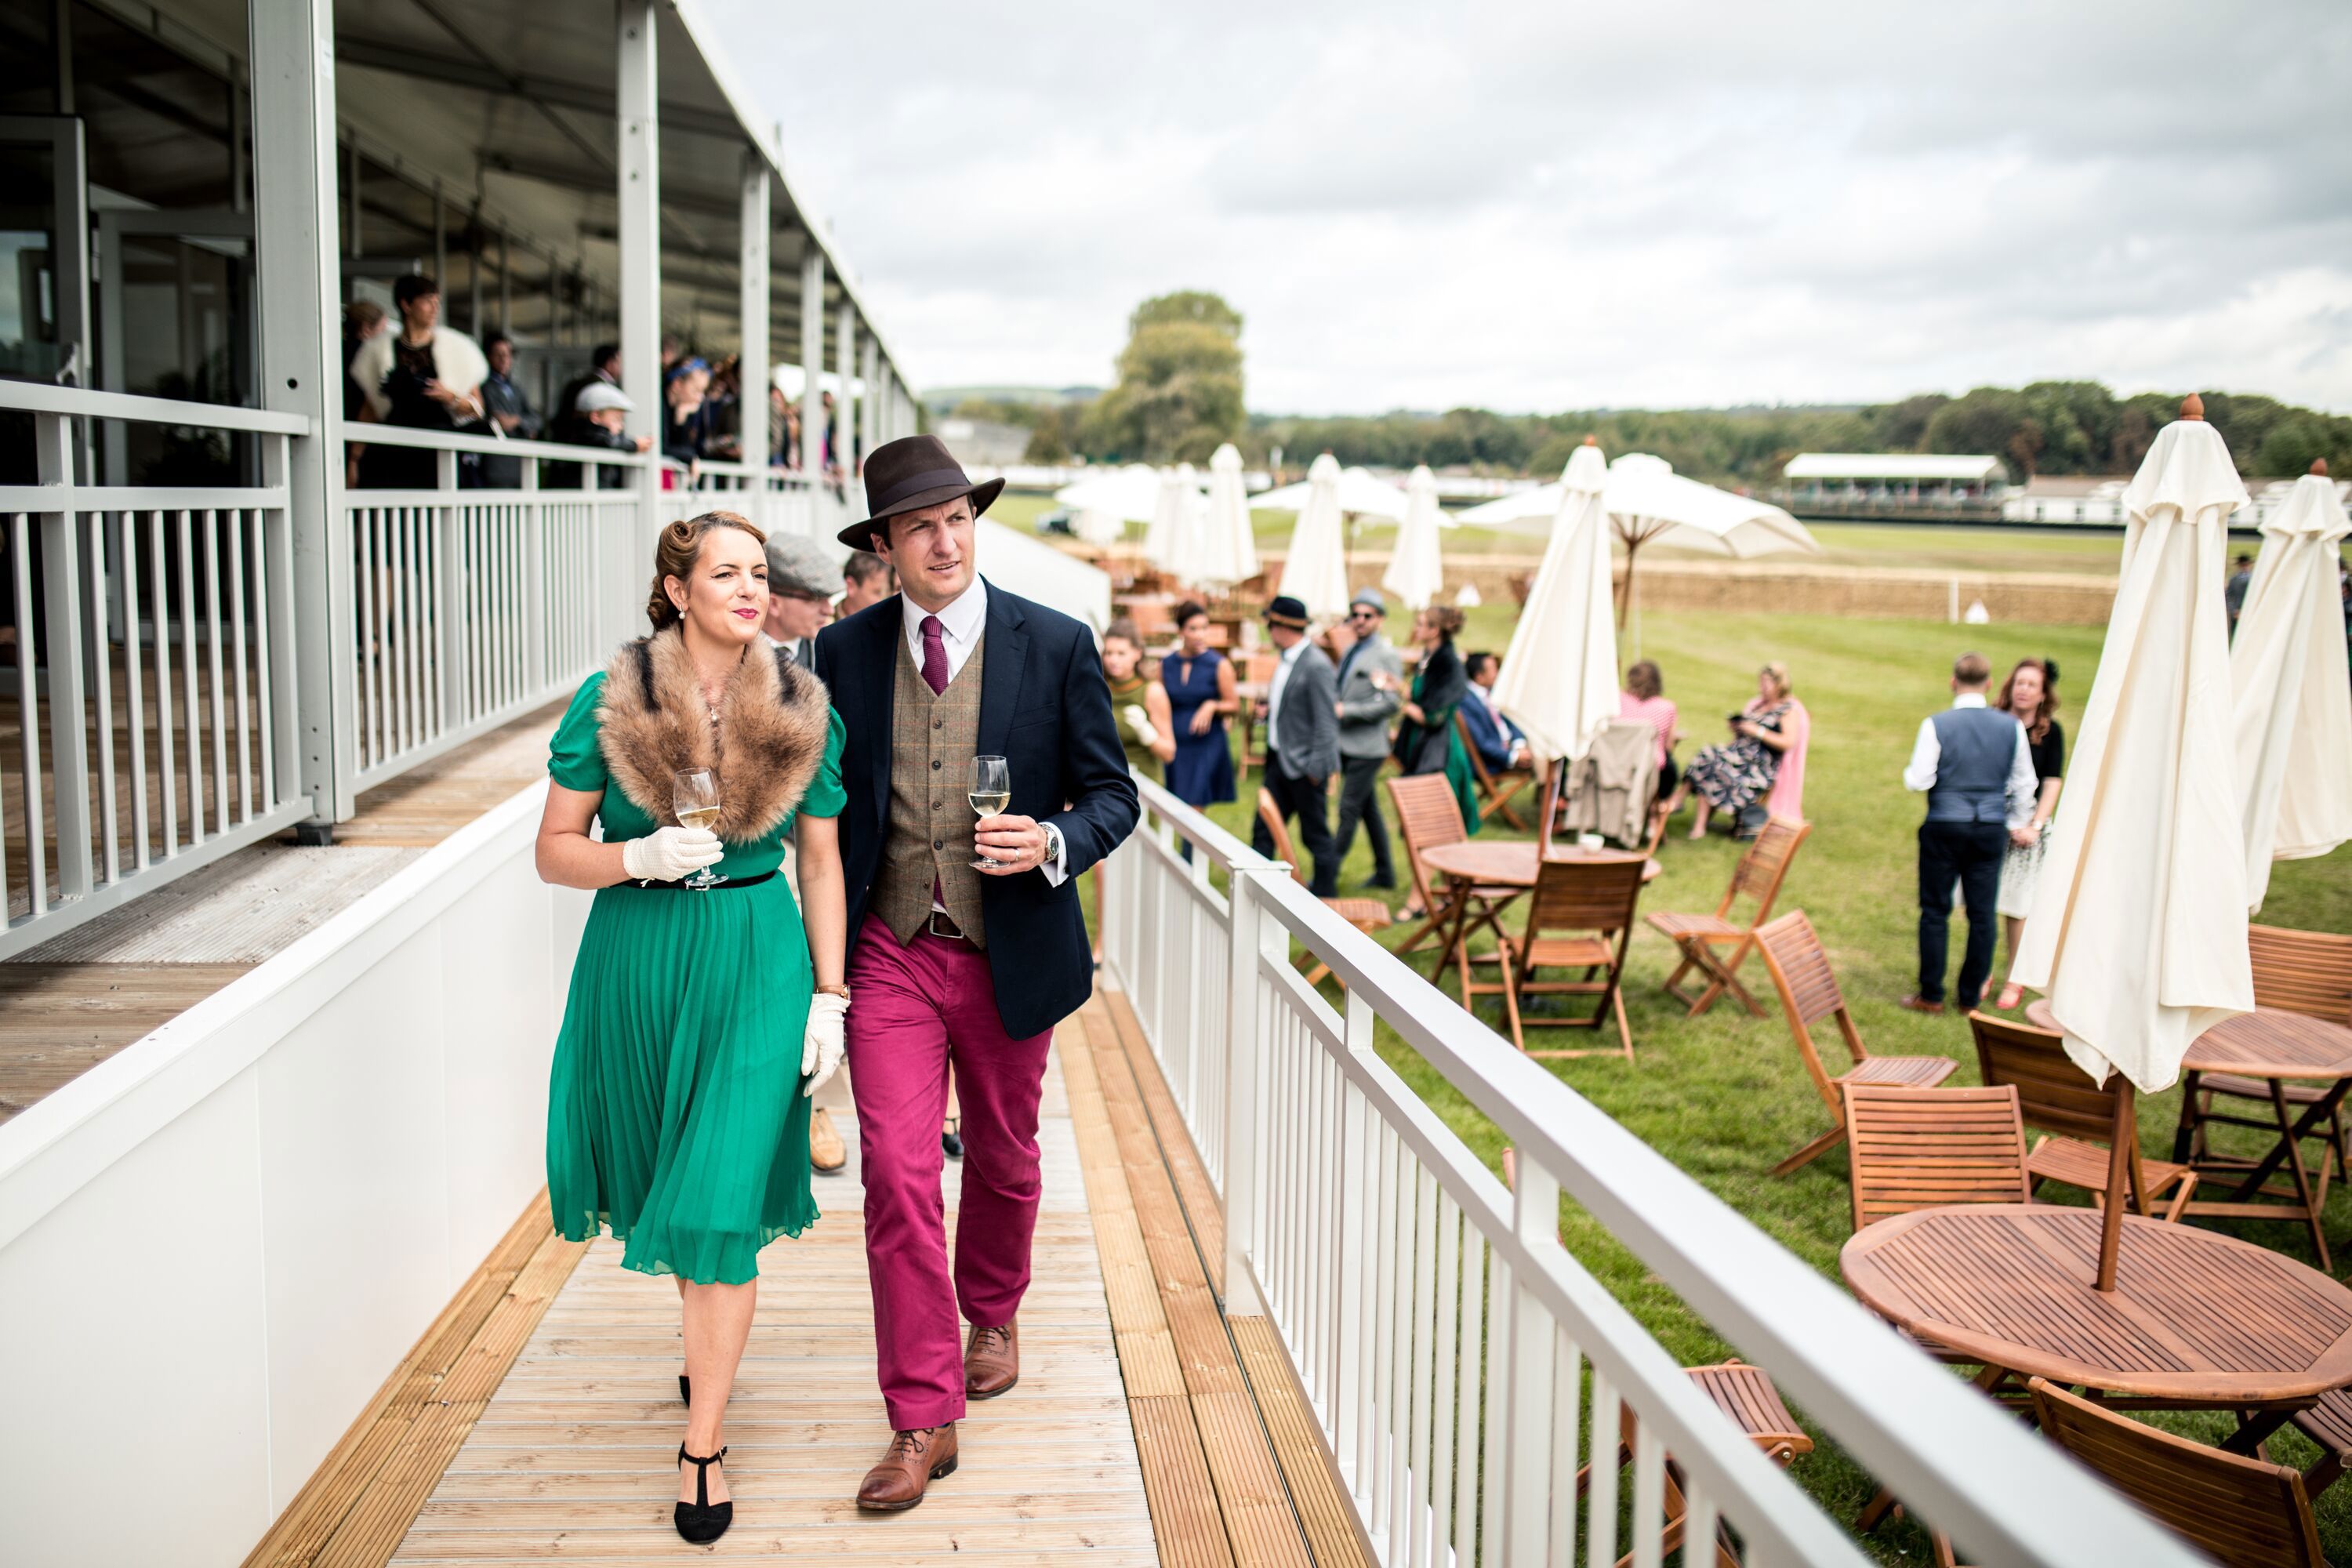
(954,968)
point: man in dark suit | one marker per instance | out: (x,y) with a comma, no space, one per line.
(955,967)
(1302,739)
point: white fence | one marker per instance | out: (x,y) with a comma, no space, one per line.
(305,1167)
(1461,1363)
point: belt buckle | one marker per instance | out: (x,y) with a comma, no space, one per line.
(931,925)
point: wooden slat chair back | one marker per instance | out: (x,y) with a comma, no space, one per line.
(1153,617)
(1495,789)
(1579,916)
(2306,972)
(1809,992)
(1716,944)
(1258,671)
(1428,816)
(2058,1098)
(2242,1512)
(1926,1148)
(1749,1401)
(1367,915)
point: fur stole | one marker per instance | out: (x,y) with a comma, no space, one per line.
(766,747)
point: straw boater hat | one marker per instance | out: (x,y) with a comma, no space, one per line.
(907,475)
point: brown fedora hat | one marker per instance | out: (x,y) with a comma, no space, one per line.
(909,474)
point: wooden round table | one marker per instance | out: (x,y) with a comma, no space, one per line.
(1512,863)
(2197,1320)
(2276,1046)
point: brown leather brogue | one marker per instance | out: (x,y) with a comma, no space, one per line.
(827,1153)
(913,1460)
(991,1361)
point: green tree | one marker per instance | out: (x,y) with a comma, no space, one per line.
(1179,383)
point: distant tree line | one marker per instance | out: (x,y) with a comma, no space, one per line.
(1180,394)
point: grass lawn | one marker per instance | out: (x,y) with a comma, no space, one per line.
(1724,1095)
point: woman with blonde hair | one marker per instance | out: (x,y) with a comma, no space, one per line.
(705,1003)
(1737,774)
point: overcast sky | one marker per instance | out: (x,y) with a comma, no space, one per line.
(1543,205)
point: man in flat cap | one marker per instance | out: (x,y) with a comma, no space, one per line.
(1302,739)
(802,582)
(955,967)
(1372,687)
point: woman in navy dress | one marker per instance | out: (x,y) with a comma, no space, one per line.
(1200,682)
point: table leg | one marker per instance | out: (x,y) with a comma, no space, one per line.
(2302,1177)
(2185,1135)
(1883,1502)
(1461,945)
(2253,1429)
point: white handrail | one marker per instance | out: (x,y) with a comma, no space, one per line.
(77,402)
(1358,1222)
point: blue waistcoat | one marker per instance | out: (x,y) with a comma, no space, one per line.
(1972,771)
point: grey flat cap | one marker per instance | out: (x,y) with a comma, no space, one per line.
(1370,597)
(798,565)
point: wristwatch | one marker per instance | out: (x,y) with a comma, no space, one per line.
(840,990)
(1053,847)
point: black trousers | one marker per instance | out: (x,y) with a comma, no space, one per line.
(1300,798)
(1359,800)
(1969,853)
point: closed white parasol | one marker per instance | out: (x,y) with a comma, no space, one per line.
(1416,570)
(2288,669)
(1315,570)
(1559,674)
(1229,548)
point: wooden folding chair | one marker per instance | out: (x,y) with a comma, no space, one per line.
(1367,915)
(1758,878)
(1746,1398)
(1429,816)
(2241,1512)
(2059,1099)
(1930,1147)
(1258,672)
(1495,790)
(1579,916)
(1808,992)
(2307,972)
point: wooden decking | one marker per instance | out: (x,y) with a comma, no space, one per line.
(71,1003)
(1147,1430)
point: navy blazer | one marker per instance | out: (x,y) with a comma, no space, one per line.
(1490,733)
(1045,708)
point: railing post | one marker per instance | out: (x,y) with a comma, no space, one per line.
(812,363)
(1241,1096)
(1534,1220)
(61,613)
(754,380)
(452,615)
(291,45)
(537,667)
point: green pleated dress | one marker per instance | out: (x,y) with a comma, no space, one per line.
(674,1113)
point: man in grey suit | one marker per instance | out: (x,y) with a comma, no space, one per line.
(1302,739)
(1371,684)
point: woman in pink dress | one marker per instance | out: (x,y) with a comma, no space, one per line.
(1644,699)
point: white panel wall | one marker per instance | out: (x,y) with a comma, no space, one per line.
(215,1245)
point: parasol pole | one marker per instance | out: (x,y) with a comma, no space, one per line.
(2124,1137)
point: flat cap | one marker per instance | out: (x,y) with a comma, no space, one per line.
(798,565)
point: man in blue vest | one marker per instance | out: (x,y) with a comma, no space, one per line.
(1974,766)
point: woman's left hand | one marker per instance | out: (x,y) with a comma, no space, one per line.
(822,1044)
(1412,710)
(1749,728)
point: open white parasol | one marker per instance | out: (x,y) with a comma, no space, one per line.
(1360,494)
(1559,674)
(2288,669)
(1416,572)
(1127,494)
(1315,570)
(2139,932)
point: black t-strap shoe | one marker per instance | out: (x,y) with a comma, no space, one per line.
(702,1521)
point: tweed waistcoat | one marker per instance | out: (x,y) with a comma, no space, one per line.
(932,740)
(1976,748)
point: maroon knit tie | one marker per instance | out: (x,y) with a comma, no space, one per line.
(935,656)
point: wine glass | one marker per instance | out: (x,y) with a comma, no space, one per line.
(694,796)
(991,792)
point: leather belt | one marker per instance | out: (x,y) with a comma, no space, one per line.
(940,923)
(683,887)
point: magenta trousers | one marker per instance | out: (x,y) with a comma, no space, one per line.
(918,1010)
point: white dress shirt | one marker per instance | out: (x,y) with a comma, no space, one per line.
(962,620)
(1274,692)
(1927,751)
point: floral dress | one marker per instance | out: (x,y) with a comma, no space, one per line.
(1738,773)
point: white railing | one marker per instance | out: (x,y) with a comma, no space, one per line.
(154,692)
(1461,1365)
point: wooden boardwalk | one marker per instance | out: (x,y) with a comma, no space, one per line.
(1147,1430)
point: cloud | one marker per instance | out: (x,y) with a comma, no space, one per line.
(1536,207)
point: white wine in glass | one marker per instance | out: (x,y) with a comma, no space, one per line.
(991,793)
(694,796)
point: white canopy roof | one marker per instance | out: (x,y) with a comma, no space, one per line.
(1129,494)
(1358,493)
(1930,466)
(1648,503)
(1035,569)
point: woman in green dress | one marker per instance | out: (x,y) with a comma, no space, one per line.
(1146,731)
(703,1011)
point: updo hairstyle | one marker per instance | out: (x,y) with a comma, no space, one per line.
(676,552)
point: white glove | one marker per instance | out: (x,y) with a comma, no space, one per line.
(821,1047)
(1140,723)
(669,853)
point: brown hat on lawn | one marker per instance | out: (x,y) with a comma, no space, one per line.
(909,474)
